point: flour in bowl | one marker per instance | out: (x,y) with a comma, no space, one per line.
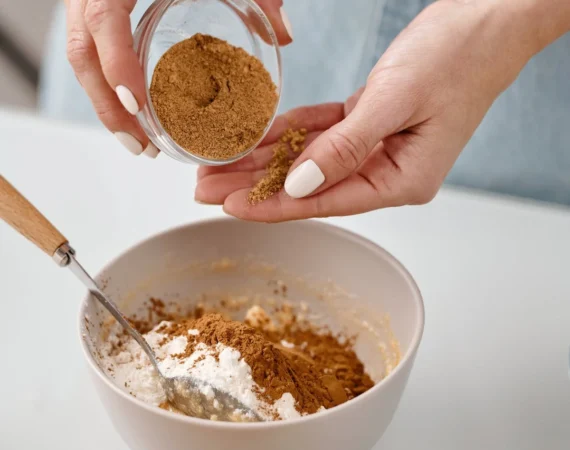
(277,372)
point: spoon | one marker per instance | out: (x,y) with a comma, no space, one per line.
(187,394)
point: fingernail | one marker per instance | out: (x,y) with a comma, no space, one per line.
(304,180)
(151,151)
(127,99)
(130,142)
(286,22)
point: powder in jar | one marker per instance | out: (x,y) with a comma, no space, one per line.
(214,99)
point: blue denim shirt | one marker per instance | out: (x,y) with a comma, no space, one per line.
(521,148)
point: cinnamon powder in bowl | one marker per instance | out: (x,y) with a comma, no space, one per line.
(278,369)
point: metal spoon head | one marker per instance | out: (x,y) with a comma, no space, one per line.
(199,399)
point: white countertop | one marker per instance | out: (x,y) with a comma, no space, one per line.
(492,370)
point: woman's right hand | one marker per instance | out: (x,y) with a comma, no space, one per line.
(100,50)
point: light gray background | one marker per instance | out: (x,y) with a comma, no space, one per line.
(29,30)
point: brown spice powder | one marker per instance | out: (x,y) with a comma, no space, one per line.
(321,372)
(332,354)
(333,358)
(274,372)
(290,143)
(214,99)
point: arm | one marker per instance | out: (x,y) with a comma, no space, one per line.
(544,20)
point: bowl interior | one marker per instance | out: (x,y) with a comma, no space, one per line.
(347,282)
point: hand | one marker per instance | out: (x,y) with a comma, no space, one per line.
(394,142)
(100,49)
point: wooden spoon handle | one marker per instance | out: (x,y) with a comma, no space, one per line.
(21,215)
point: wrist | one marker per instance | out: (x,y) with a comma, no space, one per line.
(538,22)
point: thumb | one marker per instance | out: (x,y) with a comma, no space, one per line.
(339,151)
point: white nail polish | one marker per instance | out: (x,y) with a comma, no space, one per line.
(127,99)
(151,151)
(286,22)
(130,142)
(304,180)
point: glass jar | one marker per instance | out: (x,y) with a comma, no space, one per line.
(242,23)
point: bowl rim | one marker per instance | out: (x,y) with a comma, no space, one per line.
(339,231)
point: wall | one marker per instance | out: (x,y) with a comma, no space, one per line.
(25,23)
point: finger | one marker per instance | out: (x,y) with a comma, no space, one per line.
(258,160)
(315,118)
(109,23)
(214,189)
(280,22)
(253,21)
(380,182)
(377,184)
(254,161)
(352,101)
(338,152)
(82,55)
(354,195)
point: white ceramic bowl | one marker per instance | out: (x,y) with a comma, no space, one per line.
(373,284)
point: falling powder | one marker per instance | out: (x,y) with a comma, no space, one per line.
(290,144)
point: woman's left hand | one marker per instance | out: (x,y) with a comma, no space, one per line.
(394,142)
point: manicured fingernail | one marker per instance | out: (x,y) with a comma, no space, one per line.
(127,99)
(151,151)
(286,22)
(304,180)
(201,203)
(130,142)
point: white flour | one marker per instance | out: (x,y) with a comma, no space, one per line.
(229,372)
